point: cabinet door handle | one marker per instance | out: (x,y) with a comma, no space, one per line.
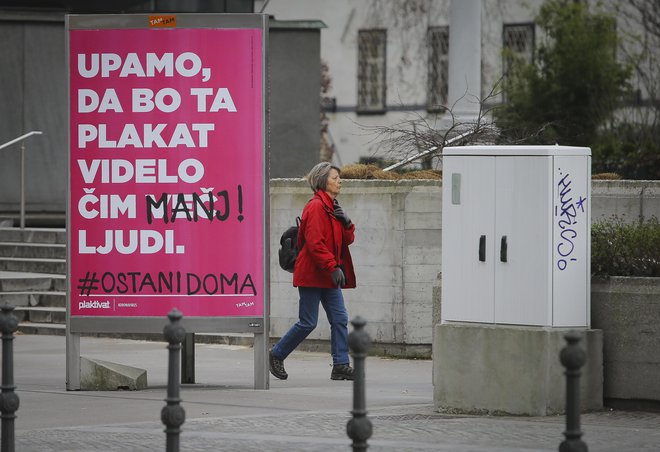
(503,249)
(482,248)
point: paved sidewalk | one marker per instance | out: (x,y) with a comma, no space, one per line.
(308,412)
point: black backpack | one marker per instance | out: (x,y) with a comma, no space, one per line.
(289,247)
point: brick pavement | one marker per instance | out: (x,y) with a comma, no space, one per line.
(308,412)
(326,432)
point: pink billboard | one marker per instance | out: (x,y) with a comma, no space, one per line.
(166,172)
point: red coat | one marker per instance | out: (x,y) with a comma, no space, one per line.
(323,243)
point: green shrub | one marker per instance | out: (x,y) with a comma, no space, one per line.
(620,249)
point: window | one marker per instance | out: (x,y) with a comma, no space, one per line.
(518,42)
(438,68)
(371,71)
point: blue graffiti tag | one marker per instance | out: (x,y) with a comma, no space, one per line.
(567,214)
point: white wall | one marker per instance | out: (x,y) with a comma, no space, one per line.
(406,56)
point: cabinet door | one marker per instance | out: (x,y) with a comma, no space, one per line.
(523,240)
(572,241)
(468,210)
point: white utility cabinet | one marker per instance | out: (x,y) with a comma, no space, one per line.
(516,235)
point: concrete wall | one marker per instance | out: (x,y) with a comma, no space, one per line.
(629,200)
(295,80)
(628,310)
(397,251)
(474,367)
(33,97)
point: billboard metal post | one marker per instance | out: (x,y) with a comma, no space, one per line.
(188,359)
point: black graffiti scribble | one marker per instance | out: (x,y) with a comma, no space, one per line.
(193,207)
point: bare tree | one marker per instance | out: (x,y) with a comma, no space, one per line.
(424,136)
(420,131)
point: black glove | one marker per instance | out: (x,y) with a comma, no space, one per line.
(338,277)
(341,215)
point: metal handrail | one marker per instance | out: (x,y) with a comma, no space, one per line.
(9,143)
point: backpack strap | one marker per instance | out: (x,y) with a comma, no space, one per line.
(302,237)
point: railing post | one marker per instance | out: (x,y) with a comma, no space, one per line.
(173,415)
(359,427)
(9,143)
(8,398)
(22,213)
(573,358)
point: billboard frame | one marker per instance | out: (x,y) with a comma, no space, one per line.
(259,326)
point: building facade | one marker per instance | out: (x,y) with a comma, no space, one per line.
(391,61)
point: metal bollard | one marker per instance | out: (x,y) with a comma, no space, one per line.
(359,427)
(173,415)
(573,358)
(8,398)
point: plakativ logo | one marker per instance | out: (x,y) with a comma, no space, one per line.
(94,304)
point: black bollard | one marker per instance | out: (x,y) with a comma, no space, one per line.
(173,415)
(573,358)
(359,427)
(8,398)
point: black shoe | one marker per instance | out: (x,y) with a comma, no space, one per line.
(277,367)
(342,372)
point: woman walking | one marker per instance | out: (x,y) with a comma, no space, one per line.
(323,267)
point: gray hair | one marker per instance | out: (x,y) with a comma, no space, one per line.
(318,176)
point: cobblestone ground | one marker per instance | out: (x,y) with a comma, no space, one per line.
(306,413)
(413,429)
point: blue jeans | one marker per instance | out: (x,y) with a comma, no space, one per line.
(308,315)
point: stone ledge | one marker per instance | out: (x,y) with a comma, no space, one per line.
(98,375)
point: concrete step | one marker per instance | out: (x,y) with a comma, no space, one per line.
(33,235)
(52,329)
(33,250)
(51,299)
(33,265)
(36,314)
(25,282)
